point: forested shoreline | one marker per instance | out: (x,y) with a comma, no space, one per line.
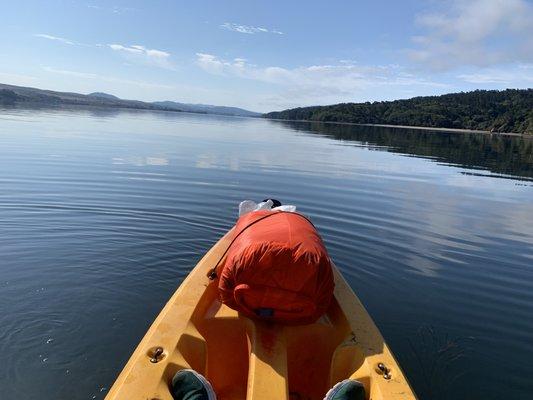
(508,110)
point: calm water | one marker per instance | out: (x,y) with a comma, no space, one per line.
(102,215)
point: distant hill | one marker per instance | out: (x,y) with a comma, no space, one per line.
(208,109)
(103,96)
(509,110)
(19,95)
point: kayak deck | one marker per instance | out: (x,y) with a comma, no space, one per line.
(255,360)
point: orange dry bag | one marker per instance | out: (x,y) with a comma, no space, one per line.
(277,268)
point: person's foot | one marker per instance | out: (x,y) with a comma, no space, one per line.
(346,390)
(190,385)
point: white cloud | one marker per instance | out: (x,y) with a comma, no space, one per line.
(341,77)
(320,84)
(103,78)
(65,41)
(134,53)
(113,10)
(142,54)
(56,38)
(519,76)
(250,30)
(475,32)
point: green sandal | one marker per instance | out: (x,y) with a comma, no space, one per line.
(190,385)
(346,390)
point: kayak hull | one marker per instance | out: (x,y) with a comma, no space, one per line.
(257,360)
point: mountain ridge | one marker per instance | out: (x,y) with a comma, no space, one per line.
(17,95)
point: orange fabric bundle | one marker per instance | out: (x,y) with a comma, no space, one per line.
(277,269)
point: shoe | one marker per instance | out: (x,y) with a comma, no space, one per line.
(348,389)
(190,385)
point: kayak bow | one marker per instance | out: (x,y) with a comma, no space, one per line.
(256,360)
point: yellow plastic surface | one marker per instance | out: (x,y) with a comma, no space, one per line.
(246,359)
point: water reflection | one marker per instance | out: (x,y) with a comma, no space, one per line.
(140,161)
(500,154)
(103,215)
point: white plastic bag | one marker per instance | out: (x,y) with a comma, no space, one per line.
(247,206)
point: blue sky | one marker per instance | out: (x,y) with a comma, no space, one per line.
(267,55)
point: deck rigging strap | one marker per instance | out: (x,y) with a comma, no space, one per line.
(212,274)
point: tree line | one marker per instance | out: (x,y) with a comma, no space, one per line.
(508,110)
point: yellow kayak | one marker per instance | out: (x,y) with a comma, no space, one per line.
(256,360)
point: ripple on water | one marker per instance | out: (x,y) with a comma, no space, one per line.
(103,216)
